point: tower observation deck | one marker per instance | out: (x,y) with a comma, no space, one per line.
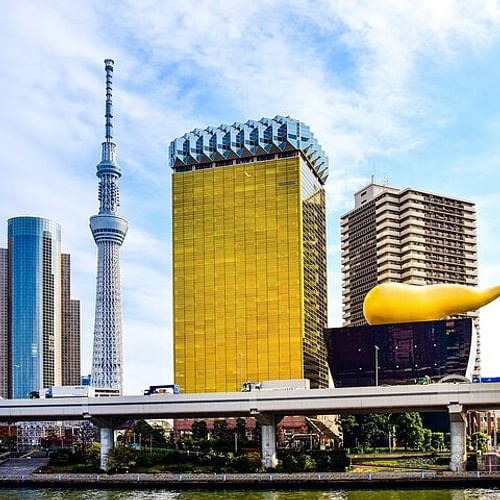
(109,230)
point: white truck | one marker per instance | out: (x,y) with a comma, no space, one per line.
(285,385)
(70,391)
(277,385)
(79,391)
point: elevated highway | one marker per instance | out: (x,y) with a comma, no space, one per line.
(382,399)
(268,406)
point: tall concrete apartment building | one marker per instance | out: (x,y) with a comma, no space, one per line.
(249,255)
(39,323)
(408,236)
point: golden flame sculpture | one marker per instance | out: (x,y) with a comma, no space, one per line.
(400,303)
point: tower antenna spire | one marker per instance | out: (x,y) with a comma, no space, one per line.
(109,99)
(109,230)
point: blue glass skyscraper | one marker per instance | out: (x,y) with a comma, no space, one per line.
(35,300)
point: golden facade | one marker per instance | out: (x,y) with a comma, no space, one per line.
(249,264)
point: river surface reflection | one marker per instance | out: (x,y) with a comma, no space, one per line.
(112,494)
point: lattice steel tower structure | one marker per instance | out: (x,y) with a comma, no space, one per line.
(109,230)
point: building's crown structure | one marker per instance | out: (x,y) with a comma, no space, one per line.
(108,230)
(244,140)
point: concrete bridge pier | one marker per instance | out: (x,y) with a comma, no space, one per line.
(268,423)
(458,455)
(107,444)
(107,434)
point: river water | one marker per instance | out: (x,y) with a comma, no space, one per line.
(110,494)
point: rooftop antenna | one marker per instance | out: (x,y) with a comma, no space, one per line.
(109,99)
(374,172)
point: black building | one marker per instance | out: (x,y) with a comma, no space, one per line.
(402,352)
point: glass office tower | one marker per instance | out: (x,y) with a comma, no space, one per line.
(249,255)
(35,319)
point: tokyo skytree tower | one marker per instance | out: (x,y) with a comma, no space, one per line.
(108,230)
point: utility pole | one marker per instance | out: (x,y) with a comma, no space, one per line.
(377,349)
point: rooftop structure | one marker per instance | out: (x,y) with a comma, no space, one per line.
(241,142)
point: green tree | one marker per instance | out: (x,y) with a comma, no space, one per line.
(350,431)
(427,442)
(290,464)
(374,430)
(241,429)
(199,429)
(9,441)
(220,461)
(149,435)
(409,430)
(438,441)
(93,455)
(306,463)
(479,441)
(121,459)
(221,431)
(330,460)
(298,462)
(85,436)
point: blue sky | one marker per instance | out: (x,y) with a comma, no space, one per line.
(405,91)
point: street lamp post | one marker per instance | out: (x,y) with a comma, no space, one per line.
(377,349)
(494,429)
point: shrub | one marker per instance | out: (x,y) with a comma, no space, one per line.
(247,463)
(331,461)
(290,464)
(61,457)
(85,468)
(306,463)
(121,459)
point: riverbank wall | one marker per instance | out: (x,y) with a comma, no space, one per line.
(313,480)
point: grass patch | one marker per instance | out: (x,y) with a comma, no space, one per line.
(401,464)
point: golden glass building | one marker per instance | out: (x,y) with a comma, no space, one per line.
(249,255)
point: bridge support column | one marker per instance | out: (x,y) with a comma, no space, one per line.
(107,434)
(107,444)
(268,439)
(458,455)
